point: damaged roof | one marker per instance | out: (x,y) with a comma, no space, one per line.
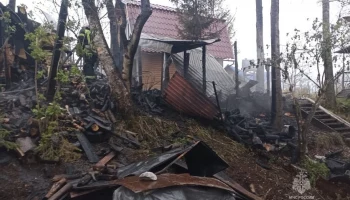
(164,22)
(171,45)
(225,84)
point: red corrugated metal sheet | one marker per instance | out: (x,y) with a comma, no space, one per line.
(184,98)
(164,22)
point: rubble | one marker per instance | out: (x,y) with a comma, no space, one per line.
(201,163)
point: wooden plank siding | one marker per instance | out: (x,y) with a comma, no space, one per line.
(152,64)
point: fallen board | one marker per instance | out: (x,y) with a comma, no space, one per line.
(88,148)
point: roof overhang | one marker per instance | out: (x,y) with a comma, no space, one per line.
(171,45)
(344,50)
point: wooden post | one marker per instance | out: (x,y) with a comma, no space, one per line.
(236,70)
(204,60)
(217,100)
(165,71)
(139,66)
(61,27)
(186,63)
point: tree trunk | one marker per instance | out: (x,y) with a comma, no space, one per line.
(130,47)
(327,57)
(276,105)
(116,43)
(61,28)
(260,74)
(118,87)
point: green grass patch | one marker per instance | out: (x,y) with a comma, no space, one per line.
(315,170)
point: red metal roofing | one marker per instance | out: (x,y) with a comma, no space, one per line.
(164,22)
(184,98)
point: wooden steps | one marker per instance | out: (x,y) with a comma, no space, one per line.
(326,119)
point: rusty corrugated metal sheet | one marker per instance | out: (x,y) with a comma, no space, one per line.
(225,83)
(184,98)
(169,180)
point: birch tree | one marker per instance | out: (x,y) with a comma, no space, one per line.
(327,56)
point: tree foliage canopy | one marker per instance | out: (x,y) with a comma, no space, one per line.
(202,19)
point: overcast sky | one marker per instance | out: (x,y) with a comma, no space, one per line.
(293,14)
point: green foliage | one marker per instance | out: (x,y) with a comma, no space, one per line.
(62,76)
(315,170)
(4,134)
(65,151)
(3,140)
(38,39)
(40,74)
(202,19)
(6,17)
(81,51)
(51,112)
(74,71)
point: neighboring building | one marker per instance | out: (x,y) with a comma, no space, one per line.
(163,23)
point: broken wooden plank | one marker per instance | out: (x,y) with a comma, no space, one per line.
(130,132)
(88,148)
(115,147)
(76,194)
(56,186)
(111,116)
(133,142)
(106,159)
(66,176)
(64,190)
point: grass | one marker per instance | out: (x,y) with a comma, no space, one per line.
(4,134)
(155,132)
(326,141)
(343,108)
(315,170)
(63,150)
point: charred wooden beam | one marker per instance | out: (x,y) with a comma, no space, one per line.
(12,5)
(217,100)
(88,148)
(186,64)
(61,27)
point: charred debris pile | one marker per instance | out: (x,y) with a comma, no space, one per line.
(82,122)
